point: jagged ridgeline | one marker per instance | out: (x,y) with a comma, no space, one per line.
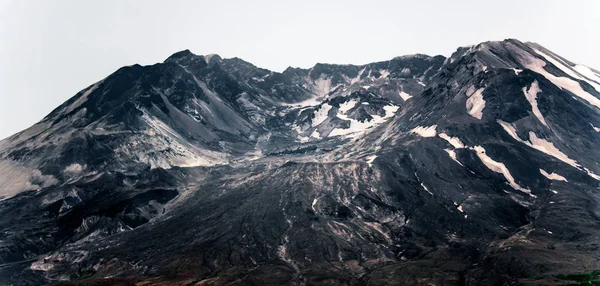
(480,169)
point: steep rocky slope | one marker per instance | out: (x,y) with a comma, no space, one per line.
(481,168)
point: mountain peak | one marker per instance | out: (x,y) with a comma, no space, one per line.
(212,58)
(508,53)
(179,55)
(412,56)
(213,169)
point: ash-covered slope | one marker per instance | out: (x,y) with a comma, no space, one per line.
(480,168)
(201,111)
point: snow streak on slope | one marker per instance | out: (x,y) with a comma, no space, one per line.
(456,143)
(545,146)
(452,140)
(539,144)
(493,165)
(531,62)
(452,155)
(559,64)
(531,95)
(499,167)
(553,176)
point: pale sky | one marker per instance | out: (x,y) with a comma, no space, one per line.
(49,50)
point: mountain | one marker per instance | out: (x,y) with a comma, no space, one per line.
(480,169)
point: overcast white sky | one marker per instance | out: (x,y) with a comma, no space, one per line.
(49,50)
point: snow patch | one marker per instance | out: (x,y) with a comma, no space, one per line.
(405,96)
(344,107)
(74,169)
(475,102)
(567,69)
(321,114)
(538,144)
(390,110)
(455,142)
(303,139)
(357,126)
(315,134)
(425,188)
(499,167)
(370,159)
(425,131)
(588,73)
(531,95)
(544,146)
(452,155)
(553,176)
(549,148)
(566,83)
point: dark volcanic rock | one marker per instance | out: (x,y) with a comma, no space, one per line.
(478,169)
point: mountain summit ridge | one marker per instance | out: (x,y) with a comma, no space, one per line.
(480,168)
